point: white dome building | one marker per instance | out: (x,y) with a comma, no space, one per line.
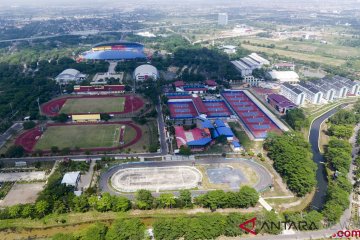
(145,72)
(70,75)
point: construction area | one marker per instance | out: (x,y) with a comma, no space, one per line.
(156,179)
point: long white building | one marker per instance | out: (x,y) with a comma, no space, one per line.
(246,65)
(312,94)
(293,93)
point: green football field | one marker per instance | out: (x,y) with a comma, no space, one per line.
(94,105)
(83,136)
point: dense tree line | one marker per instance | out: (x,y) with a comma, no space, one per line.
(296,119)
(292,159)
(59,198)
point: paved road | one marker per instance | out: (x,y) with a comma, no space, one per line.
(16,127)
(319,197)
(160,119)
(264,181)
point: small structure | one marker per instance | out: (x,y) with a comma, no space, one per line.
(210,84)
(280,103)
(285,66)
(20,164)
(71,179)
(86,117)
(229,49)
(235,146)
(293,93)
(70,75)
(283,76)
(145,72)
(99,90)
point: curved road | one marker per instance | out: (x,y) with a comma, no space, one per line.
(264,181)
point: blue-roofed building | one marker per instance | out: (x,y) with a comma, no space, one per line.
(219,123)
(204,123)
(203,142)
(236,146)
(225,131)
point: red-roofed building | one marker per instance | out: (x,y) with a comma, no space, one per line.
(179,83)
(99,90)
(211,84)
(200,106)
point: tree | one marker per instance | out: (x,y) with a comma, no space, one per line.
(105,116)
(29,125)
(131,229)
(54,149)
(96,231)
(144,199)
(247,196)
(341,131)
(63,236)
(169,229)
(184,150)
(167,200)
(41,208)
(184,199)
(296,118)
(81,203)
(27,211)
(14,211)
(104,203)
(15,152)
(121,204)
(61,118)
(332,212)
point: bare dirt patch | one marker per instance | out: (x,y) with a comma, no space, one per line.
(22,193)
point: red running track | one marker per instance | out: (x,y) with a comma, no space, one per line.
(53,107)
(28,139)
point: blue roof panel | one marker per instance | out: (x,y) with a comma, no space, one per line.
(200,142)
(219,123)
(225,131)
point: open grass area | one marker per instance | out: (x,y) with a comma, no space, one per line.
(83,136)
(94,105)
(296,55)
(241,135)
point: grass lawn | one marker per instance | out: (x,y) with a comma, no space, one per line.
(296,55)
(94,105)
(83,136)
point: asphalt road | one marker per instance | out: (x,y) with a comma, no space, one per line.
(16,127)
(161,125)
(264,181)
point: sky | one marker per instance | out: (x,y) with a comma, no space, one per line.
(50,3)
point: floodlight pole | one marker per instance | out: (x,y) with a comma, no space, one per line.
(38,102)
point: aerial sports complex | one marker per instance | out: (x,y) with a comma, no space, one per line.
(114,51)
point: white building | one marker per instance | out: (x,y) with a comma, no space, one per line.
(223,19)
(145,72)
(259,59)
(283,76)
(229,49)
(70,75)
(312,93)
(71,179)
(251,80)
(293,93)
(246,65)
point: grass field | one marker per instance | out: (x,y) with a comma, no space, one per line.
(296,55)
(94,105)
(83,136)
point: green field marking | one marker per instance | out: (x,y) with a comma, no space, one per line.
(83,136)
(94,105)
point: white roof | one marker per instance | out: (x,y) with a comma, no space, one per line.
(146,69)
(259,59)
(70,71)
(284,76)
(70,178)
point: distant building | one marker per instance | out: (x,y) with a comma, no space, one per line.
(293,93)
(99,90)
(235,146)
(86,117)
(70,75)
(312,93)
(283,76)
(280,103)
(229,49)
(71,179)
(252,81)
(285,66)
(246,65)
(210,84)
(146,71)
(223,19)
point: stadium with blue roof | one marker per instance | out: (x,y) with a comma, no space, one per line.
(115,51)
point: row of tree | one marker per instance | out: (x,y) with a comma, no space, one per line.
(339,156)
(293,160)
